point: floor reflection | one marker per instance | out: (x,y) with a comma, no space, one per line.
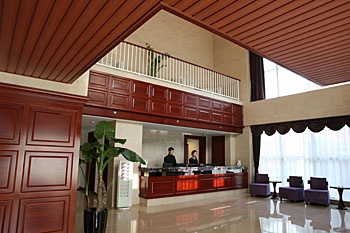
(241,214)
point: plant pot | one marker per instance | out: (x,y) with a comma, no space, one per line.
(95,222)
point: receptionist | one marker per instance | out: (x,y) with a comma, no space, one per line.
(193,160)
(169,159)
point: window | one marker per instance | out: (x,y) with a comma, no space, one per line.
(323,154)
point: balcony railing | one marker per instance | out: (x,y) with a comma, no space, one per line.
(147,62)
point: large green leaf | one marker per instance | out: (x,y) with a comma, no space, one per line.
(105,130)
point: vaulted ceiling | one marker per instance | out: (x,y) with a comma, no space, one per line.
(60,40)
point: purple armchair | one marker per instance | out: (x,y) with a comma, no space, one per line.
(261,186)
(318,192)
(295,191)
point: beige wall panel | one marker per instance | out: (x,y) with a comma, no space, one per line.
(79,87)
(180,38)
(327,102)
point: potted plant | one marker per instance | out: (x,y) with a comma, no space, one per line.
(102,151)
(155,60)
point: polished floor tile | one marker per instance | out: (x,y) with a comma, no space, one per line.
(243,214)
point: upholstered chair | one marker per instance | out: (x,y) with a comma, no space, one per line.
(295,191)
(318,192)
(261,186)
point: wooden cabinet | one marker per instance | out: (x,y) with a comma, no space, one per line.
(174,106)
(169,186)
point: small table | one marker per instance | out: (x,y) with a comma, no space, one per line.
(341,205)
(274,194)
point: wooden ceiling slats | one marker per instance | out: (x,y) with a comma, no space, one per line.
(125,22)
(24,19)
(60,40)
(314,49)
(219,18)
(281,22)
(254,16)
(8,22)
(304,25)
(199,7)
(213,9)
(49,33)
(65,28)
(41,16)
(272,17)
(240,13)
(70,45)
(338,28)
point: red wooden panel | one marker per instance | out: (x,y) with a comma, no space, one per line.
(204,114)
(216,105)
(164,187)
(175,96)
(238,121)
(10,118)
(141,89)
(203,102)
(224,182)
(227,119)
(140,104)
(8,168)
(240,180)
(216,117)
(227,107)
(50,126)
(5,211)
(187,186)
(158,107)
(44,215)
(206,184)
(120,101)
(190,112)
(97,97)
(159,92)
(190,99)
(175,110)
(98,80)
(238,110)
(47,171)
(120,85)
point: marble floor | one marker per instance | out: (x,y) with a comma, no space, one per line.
(239,214)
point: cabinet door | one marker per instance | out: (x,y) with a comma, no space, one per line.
(190,100)
(140,89)
(204,114)
(158,107)
(227,107)
(204,102)
(175,96)
(98,80)
(119,101)
(216,105)
(140,104)
(158,92)
(190,113)
(227,119)
(175,110)
(120,85)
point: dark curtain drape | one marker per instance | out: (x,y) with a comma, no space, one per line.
(315,125)
(257,92)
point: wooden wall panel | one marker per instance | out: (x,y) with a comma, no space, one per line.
(44,215)
(98,80)
(47,171)
(8,166)
(5,212)
(120,85)
(39,160)
(45,120)
(10,118)
(97,97)
(121,101)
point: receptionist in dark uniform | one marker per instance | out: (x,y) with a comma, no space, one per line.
(169,159)
(193,160)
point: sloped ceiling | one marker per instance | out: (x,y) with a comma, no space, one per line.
(60,40)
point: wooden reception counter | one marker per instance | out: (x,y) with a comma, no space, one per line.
(170,182)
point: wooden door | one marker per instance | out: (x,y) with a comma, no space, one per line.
(218,150)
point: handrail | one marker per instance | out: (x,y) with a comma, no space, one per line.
(148,62)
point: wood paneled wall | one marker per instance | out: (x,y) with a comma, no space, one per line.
(125,98)
(39,154)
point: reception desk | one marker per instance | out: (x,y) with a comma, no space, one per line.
(170,182)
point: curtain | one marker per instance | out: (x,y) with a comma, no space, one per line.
(257,92)
(308,154)
(315,125)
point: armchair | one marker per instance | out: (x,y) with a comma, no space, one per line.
(318,192)
(261,186)
(295,191)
